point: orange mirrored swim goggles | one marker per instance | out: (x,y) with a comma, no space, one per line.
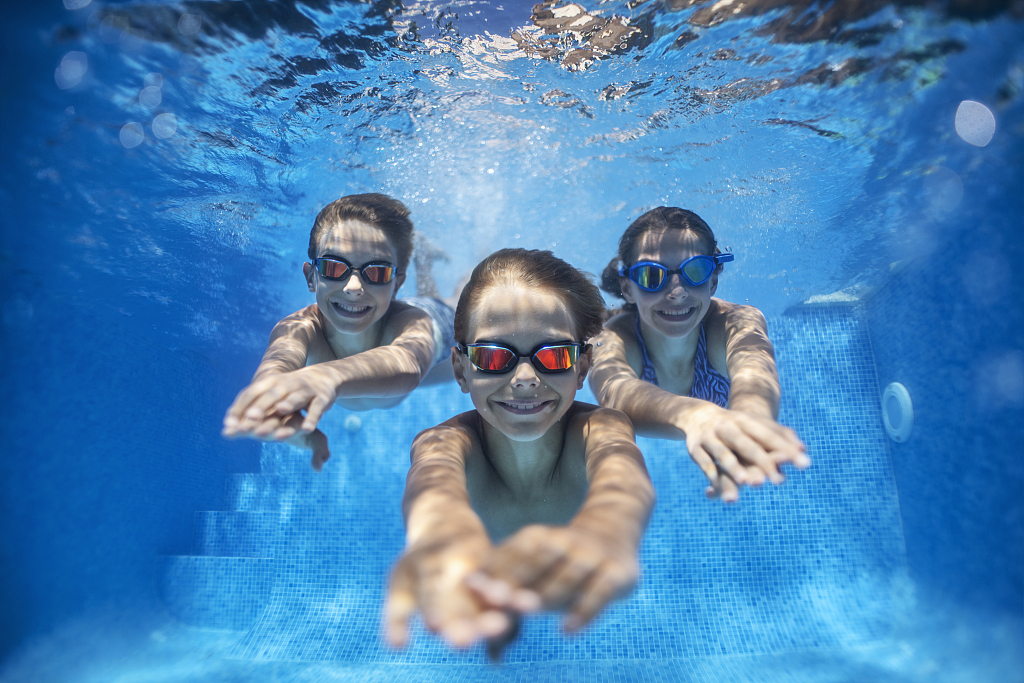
(497,359)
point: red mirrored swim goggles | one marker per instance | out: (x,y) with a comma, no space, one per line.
(497,359)
(332,268)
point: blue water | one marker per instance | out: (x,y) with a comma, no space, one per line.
(143,265)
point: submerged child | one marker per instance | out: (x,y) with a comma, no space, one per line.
(683,365)
(357,346)
(532,500)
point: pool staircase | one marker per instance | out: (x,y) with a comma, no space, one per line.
(226,582)
(299,562)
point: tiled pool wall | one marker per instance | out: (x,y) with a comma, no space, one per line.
(815,564)
(110,447)
(950,327)
(818,564)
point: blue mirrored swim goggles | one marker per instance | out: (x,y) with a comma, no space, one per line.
(694,271)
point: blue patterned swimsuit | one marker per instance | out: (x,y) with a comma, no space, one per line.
(708,384)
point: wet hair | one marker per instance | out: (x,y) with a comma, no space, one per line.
(539,269)
(656,220)
(379,210)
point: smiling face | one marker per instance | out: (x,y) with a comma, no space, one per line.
(522,404)
(677,308)
(352,306)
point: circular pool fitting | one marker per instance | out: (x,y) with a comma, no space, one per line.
(897,412)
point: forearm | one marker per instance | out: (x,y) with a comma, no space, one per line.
(383,372)
(654,412)
(436,503)
(619,501)
(289,345)
(620,495)
(755,395)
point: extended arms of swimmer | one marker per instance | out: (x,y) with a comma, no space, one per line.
(582,567)
(283,385)
(445,542)
(731,447)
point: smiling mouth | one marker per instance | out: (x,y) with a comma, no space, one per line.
(678,316)
(524,407)
(349,311)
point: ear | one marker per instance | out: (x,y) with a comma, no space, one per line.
(583,363)
(399,281)
(626,285)
(714,282)
(459,370)
(307,270)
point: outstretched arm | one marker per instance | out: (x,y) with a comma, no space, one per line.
(750,358)
(732,448)
(379,377)
(582,567)
(445,542)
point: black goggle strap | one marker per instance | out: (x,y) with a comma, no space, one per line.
(498,359)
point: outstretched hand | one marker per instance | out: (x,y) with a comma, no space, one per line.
(430,577)
(572,569)
(733,448)
(289,429)
(278,395)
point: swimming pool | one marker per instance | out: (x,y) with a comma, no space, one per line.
(163,164)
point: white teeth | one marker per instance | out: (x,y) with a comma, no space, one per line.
(679,314)
(524,406)
(351,309)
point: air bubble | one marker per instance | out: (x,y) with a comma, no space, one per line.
(164,126)
(71,70)
(975,123)
(150,97)
(189,24)
(132,135)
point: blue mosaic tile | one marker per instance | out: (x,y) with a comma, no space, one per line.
(215,592)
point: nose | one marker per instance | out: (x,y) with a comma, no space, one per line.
(524,375)
(354,284)
(676,287)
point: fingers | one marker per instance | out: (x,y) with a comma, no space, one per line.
(317,441)
(612,582)
(399,605)
(703,460)
(498,643)
(780,442)
(726,460)
(316,411)
(523,559)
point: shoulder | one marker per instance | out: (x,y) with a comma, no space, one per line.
(623,324)
(617,344)
(403,319)
(456,436)
(306,319)
(618,335)
(724,312)
(726,320)
(587,416)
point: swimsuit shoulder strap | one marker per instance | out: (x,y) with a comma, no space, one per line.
(647,373)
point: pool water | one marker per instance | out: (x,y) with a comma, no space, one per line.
(163,164)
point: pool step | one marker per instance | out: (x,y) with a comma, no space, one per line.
(234,534)
(251,492)
(216,592)
(226,582)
